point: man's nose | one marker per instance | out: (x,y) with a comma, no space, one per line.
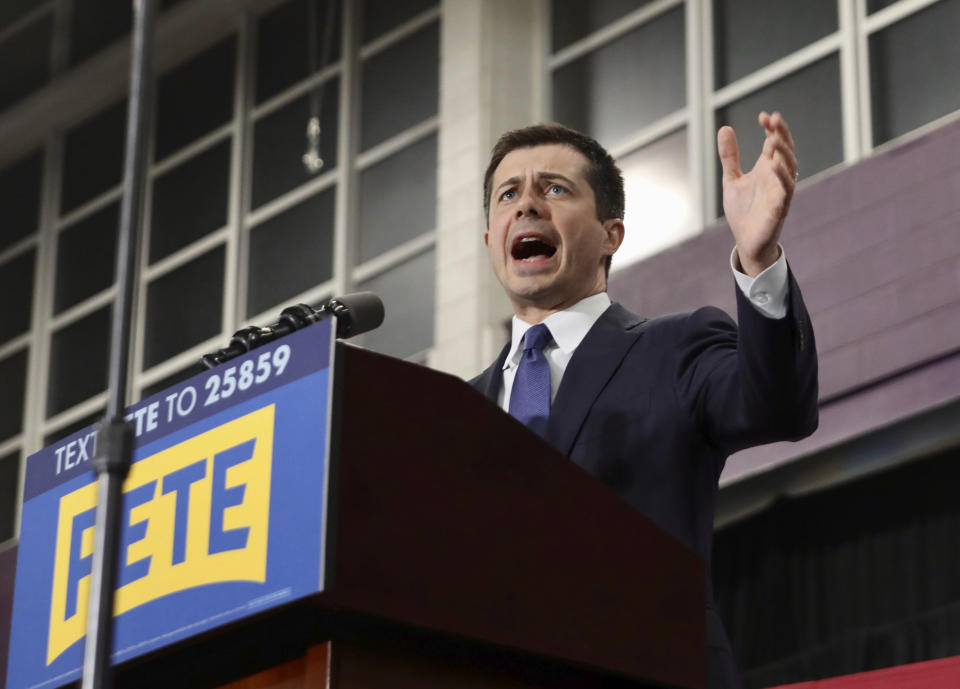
(529,205)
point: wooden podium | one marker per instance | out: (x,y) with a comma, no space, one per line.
(463,552)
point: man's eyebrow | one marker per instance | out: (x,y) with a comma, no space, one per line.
(546,175)
(556,175)
(508,182)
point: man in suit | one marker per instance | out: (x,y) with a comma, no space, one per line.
(650,407)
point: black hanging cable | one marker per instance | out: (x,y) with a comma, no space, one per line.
(311,159)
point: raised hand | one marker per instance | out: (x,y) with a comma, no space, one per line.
(756,202)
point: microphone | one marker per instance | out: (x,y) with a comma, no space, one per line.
(356,314)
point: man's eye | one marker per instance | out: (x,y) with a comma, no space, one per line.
(555,189)
(508,195)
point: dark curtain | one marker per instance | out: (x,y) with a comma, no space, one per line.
(857,577)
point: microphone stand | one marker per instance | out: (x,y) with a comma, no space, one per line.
(114,452)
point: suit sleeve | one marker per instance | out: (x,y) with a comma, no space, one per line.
(749,386)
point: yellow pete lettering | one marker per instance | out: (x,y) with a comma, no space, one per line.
(196,513)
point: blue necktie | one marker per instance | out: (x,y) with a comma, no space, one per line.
(530,395)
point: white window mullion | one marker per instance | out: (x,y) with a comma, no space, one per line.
(865,100)
(850,80)
(26,20)
(38,359)
(60,48)
(611,32)
(697,138)
(775,71)
(42,315)
(539,75)
(247,59)
(703,118)
(890,14)
(235,259)
(393,36)
(397,142)
(395,256)
(139,314)
(650,133)
(543,106)
(346,208)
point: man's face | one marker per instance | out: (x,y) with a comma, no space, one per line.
(546,245)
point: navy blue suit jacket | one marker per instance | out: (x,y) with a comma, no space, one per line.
(653,408)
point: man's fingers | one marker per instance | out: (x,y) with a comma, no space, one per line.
(778,150)
(786,157)
(780,153)
(729,153)
(786,178)
(775,124)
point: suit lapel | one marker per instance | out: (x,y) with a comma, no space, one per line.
(589,371)
(491,379)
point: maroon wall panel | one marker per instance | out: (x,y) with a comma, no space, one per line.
(876,250)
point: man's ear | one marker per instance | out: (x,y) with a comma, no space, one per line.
(613,235)
(486,239)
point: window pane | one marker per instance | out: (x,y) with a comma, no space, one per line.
(379,16)
(280,140)
(95,240)
(172,379)
(627,84)
(401,86)
(9,484)
(16,286)
(283,40)
(408,298)
(398,198)
(20,199)
(13,373)
(875,5)
(29,50)
(190,201)
(660,207)
(195,98)
(291,252)
(810,99)
(184,307)
(93,156)
(78,361)
(574,19)
(73,427)
(12,10)
(750,34)
(95,24)
(909,74)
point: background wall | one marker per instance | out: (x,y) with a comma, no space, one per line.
(411,96)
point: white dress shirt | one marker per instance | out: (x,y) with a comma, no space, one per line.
(767,292)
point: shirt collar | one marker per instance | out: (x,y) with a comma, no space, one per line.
(568,327)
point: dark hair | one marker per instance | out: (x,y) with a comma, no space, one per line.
(602,173)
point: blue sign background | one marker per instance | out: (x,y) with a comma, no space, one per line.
(296,520)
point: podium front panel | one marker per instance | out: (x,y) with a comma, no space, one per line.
(224,515)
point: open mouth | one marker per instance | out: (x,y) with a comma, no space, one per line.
(531,248)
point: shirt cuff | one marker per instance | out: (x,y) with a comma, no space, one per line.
(769,290)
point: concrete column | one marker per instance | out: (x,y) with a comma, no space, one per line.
(490,65)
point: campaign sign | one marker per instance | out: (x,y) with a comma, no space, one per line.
(224,512)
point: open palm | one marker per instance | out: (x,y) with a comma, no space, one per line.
(756,202)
